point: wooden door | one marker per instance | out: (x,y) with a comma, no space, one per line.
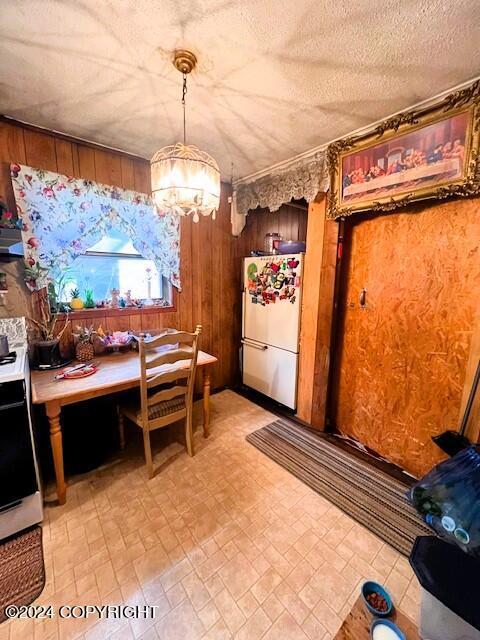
(401,360)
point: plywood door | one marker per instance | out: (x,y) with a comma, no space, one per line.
(402,360)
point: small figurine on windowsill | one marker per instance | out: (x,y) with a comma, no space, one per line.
(128,299)
(115,298)
(148,302)
(89,301)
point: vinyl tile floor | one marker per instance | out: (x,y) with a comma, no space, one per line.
(225,545)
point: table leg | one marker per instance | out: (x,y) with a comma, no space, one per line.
(53,413)
(206,402)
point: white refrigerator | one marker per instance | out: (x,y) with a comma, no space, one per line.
(271,325)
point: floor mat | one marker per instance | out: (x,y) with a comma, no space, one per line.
(22,570)
(367,494)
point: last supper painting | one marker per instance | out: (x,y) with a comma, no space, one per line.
(425,158)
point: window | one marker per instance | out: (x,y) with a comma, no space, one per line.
(114,263)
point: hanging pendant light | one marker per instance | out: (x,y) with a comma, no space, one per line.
(185,179)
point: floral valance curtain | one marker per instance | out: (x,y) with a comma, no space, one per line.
(62,217)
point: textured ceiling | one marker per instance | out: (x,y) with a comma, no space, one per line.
(276,77)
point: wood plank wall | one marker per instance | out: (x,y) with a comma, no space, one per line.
(289,221)
(210,279)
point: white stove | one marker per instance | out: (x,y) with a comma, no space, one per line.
(20,490)
(13,370)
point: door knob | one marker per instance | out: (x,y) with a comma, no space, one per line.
(363,298)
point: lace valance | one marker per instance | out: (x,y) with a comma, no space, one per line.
(302,179)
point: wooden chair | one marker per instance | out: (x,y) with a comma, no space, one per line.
(163,364)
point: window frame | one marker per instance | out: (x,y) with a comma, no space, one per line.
(104,311)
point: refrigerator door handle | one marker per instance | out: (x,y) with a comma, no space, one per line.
(260,347)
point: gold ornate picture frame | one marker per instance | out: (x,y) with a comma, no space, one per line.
(432,152)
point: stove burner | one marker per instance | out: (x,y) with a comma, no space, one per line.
(10,359)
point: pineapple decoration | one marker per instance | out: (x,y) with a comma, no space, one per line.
(76,303)
(84,351)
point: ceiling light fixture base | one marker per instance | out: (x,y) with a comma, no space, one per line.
(185,61)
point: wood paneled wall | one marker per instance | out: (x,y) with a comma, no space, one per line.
(289,221)
(210,279)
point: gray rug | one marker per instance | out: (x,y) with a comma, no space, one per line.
(367,494)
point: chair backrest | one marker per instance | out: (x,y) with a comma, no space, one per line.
(168,359)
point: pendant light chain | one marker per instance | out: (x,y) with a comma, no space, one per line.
(184,93)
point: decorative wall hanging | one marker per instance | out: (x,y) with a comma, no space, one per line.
(185,180)
(429,153)
(63,217)
(277,281)
(304,178)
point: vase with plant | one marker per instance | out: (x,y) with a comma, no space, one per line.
(76,303)
(49,325)
(89,301)
(49,332)
(84,350)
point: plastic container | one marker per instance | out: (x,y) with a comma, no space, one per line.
(369,587)
(271,243)
(390,625)
(291,246)
(449,580)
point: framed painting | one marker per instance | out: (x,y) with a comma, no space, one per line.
(429,153)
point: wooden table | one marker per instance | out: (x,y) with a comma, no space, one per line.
(116,372)
(357,624)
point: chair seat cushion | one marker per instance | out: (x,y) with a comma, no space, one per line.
(166,407)
(159,410)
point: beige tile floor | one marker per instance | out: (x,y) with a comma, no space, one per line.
(226,544)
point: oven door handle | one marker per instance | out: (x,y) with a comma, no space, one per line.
(12,405)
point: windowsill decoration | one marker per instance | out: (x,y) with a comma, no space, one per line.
(61,217)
